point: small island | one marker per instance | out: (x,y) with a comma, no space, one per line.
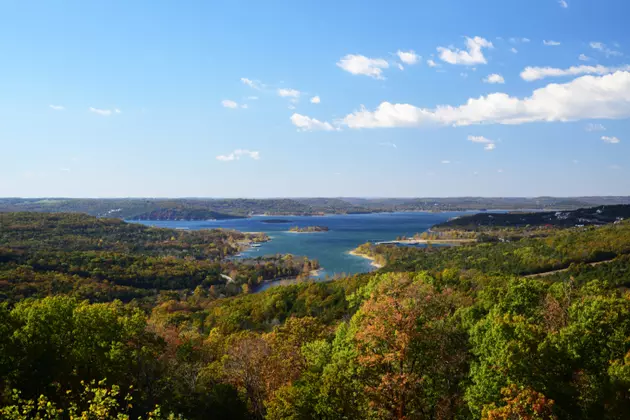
(308,229)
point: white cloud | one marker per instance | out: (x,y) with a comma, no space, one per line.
(408,57)
(500,171)
(514,50)
(446,162)
(469,57)
(388,144)
(536,73)
(400,66)
(488,144)
(587,97)
(64,169)
(432,63)
(244,106)
(362,65)
(594,127)
(57,107)
(237,154)
(103,112)
(563,3)
(304,123)
(289,93)
(227,103)
(315,100)
(252,98)
(117,111)
(599,46)
(551,43)
(252,83)
(464,75)
(612,140)
(494,78)
(584,57)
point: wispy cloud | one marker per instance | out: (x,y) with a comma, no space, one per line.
(104,112)
(488,144)
(594,127)
(228,103)
(563,4)
(584,57)
(388,144)
(305,123)
(237,154)
(315,100)
(551,43)
(432,63)
(362,65)
(514,50)
(514,40)
(471,56)
(603,48)
(446,162)
(254,84)
(57,107)
(611,140)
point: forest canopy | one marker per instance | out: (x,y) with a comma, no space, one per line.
(438,333)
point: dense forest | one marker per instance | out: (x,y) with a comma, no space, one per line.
(438,333)
(105,259)
(209,209)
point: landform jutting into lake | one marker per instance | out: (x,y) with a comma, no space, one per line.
(330,248)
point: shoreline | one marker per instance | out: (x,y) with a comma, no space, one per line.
(373,263)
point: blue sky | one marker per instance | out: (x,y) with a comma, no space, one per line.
(215,98)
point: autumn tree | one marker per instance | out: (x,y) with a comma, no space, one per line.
(411,354)
(522,404)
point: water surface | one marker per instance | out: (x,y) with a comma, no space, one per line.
(329,248)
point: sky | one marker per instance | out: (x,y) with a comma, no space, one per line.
(326,98)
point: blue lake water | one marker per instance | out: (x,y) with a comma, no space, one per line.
(329,248)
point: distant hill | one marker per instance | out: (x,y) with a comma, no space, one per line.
(206,208)
(582,217)
(483,203)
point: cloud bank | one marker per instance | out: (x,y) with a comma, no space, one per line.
(587,97)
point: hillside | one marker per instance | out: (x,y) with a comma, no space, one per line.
(582,217)
(206,209)
(437,333)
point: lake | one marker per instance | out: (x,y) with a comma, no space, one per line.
(329,248)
